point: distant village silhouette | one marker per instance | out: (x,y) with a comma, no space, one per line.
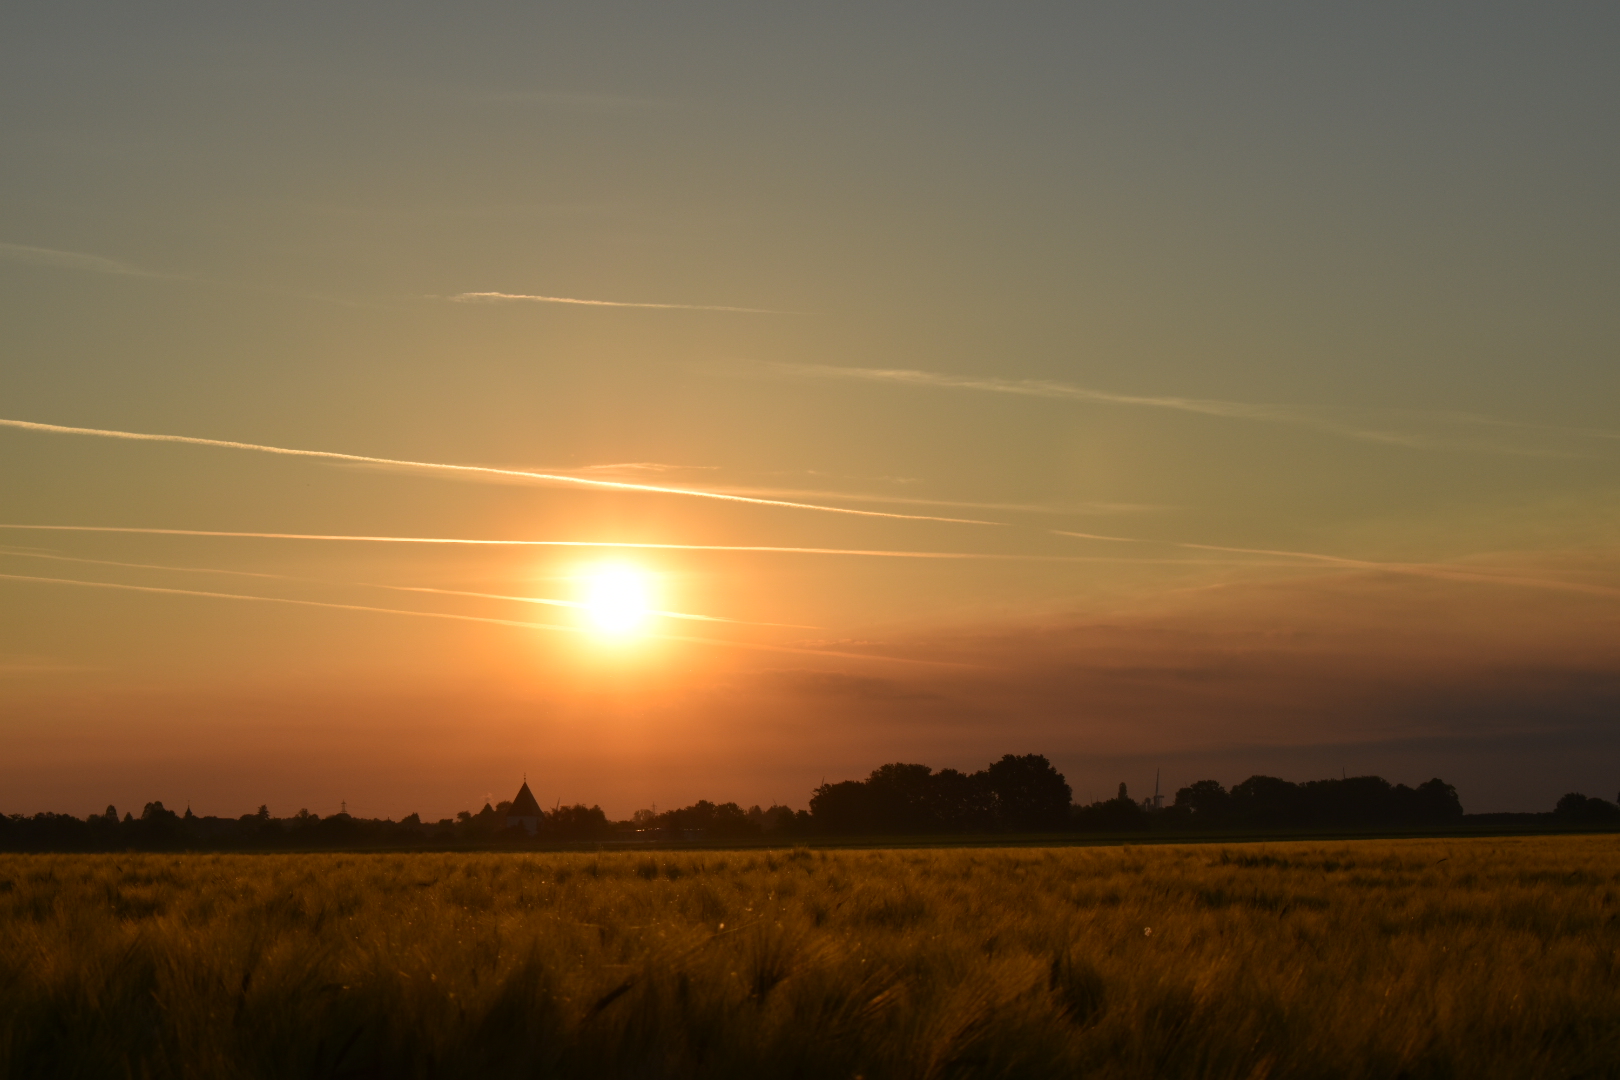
(1014,797)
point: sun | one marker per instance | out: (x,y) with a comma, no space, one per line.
(616,599)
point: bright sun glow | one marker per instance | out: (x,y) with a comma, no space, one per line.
(616,599)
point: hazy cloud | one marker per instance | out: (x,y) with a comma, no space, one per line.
(840,684)
(1332,662)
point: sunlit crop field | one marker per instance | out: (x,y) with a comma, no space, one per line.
(1419,958)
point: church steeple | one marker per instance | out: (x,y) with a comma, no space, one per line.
(525,811)
(524,803)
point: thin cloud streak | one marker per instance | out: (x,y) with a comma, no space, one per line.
(1446,573)
(644,466)
(14,553)
(74,260)
(34,665)
(615,544)
(578,604)
(286,600)
(1098,536)
(472,470)
(1438,571)
(752,645)
(1235,410)
(100,264)
(1476,420)
(1094,509)
(372,585)
(565,99)
(500,297)
(1042,388)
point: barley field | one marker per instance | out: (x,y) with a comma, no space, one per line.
(1412,958)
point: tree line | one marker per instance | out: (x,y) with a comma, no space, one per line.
(1019,794)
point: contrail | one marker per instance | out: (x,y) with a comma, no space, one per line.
(296,603)
(1217,547)
(1236,410)
(1092,508)
(753,645)
(372,585)
(1098,536)
(74,260)
(1044,388)
(489,297)
(1429,570)
(13,553)
(482,470)
(1447,573)
(615,545)
(1338,560)
(578,604)
(100,264)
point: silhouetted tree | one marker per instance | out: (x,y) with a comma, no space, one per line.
(578,822)
(1266,800)
(1435,801)
(1357,800)
(1024,793)
(785,820)
(1017,792)
(901,798)
(1119,814)
(704,820)
(844,807)
(1206,801)
(962,803)
(1030,795)
(1577,809)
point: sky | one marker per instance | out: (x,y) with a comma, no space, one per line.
(1177,390)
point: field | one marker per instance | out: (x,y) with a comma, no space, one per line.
(1416,958)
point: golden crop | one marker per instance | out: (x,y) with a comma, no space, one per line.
(1417,958)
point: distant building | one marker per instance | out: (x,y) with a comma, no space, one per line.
(524,813)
